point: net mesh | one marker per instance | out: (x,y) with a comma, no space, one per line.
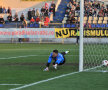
(95,51)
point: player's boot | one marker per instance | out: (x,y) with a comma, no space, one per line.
(67,52)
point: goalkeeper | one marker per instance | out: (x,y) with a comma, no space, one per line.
(58,58)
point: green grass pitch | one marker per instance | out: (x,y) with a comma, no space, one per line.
(24,64)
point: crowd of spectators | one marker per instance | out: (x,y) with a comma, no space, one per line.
(95,9)
(33,15)
(43,16)
(3,10)
(91,8)
(1,20)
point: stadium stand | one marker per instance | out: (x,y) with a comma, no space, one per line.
(66,12)
(95,15)
(32,10)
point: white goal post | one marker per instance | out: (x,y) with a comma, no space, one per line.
(81,36)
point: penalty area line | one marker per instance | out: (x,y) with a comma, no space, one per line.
(10,84)
(25,56)
(50,79)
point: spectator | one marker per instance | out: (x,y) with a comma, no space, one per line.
(67,12)
(69,5)
(70,14)
(95,12)
(53,7)
(37,13)
(102,7)
(74,3)
(98,5)
(29,14)
(73,7)
(78,7)
(101,14)
(32,20)
(1,20)
(42,11)
(90,13)
(71,20)
(25,23)
(46,5)
(9,10)
(47,20)
(4,10)
(15,17)
(88,25)
(0,9)
(38,19)
(9,18)
(42,20)
(33,13)
(106,12)
(46,12)
(93,4)
(22,17)
(72,11)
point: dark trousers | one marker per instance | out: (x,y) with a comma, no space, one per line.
(20,39)
(77,39)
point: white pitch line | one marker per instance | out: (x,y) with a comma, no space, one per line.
(35,83)
(19,57)
(10,84)
(93,68)
(28,85)
(29,56)
(39,49)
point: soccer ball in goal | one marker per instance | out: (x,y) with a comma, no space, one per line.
(105,62)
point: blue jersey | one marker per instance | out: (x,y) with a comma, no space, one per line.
(59,59)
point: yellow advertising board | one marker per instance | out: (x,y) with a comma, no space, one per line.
(69,33)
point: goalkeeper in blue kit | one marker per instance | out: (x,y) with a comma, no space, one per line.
(59,59)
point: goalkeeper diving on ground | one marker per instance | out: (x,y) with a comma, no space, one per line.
(58,58)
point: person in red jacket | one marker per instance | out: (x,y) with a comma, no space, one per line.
(46,5)
(47,20)
(32,20)
(37,19)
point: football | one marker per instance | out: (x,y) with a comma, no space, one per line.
(105,62)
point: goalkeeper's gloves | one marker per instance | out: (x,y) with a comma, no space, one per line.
(55,66)
(46,69)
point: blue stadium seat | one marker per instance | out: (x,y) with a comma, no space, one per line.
(106,25)
(102,25)
(1,25)
(36,25)
(63,26)
(31,25)
(28,25)
(93,25)
(73,26)
(68,25)
(98,25)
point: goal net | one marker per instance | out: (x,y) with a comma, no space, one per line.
(95,51)
(93,40)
